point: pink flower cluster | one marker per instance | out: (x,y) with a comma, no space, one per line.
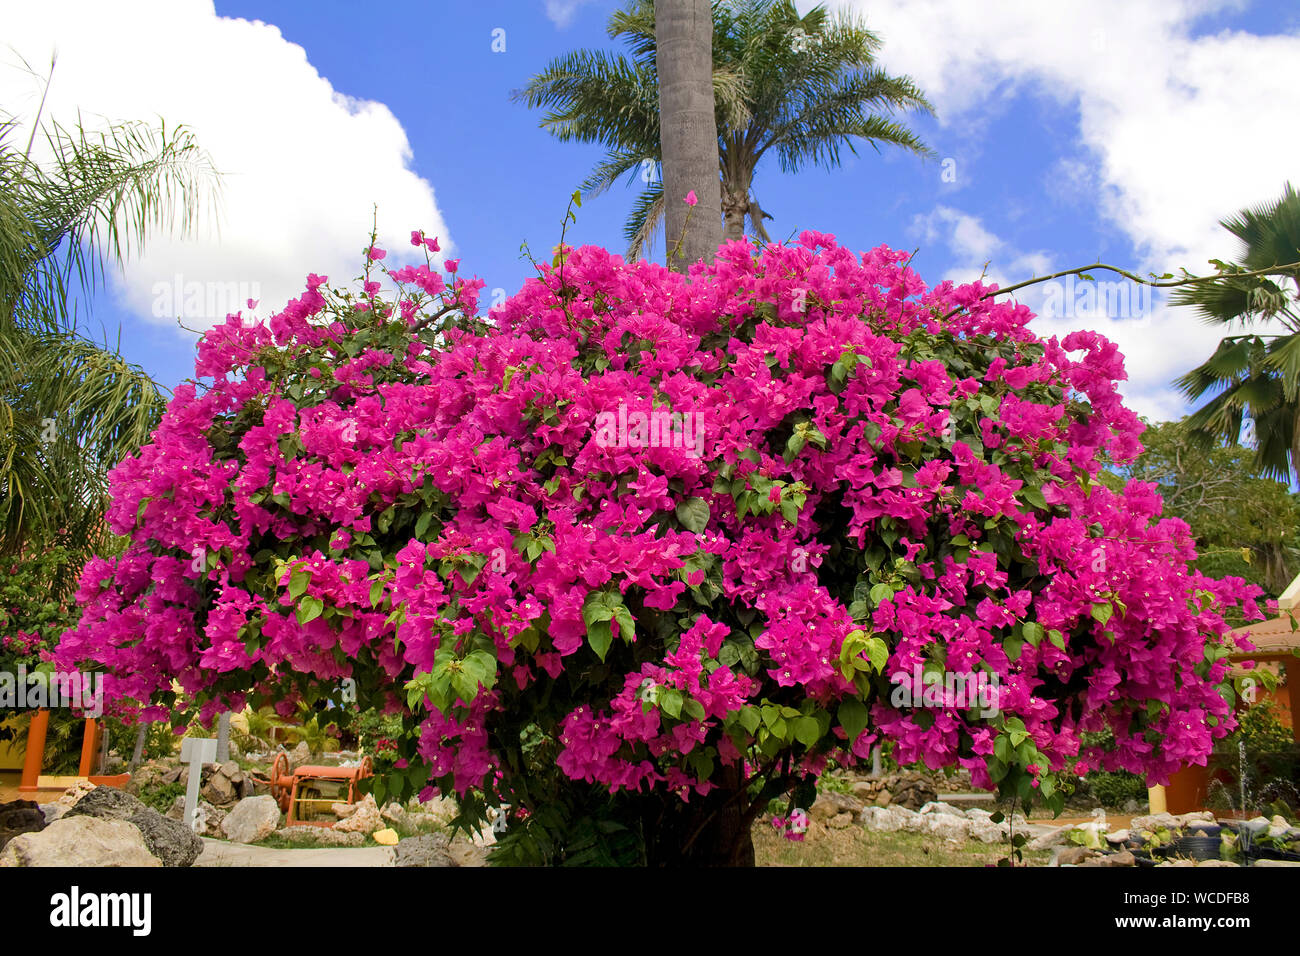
(365,495)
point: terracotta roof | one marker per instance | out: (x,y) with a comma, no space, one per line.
(1273,636)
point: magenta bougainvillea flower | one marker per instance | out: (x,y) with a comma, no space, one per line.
(817,484)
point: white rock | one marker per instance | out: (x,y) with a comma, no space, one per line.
(1052,838)
(947,825)
(365,819)
(252,819)
(80,841)
(887,819)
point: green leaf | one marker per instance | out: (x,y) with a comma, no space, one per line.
(600,637)
(1035,497)
(878,652)
(807,731)
(298,582)
(1101,613)
(670,701)
(309,608)
(853,717)
(693,513)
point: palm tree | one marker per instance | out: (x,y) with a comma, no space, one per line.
(799,88)
(70,406)
(684,44)
(1255,375)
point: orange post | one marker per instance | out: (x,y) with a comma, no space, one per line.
(35,755)
(89,745)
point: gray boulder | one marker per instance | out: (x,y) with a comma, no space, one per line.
(19,817)
(430,849)
(169,840)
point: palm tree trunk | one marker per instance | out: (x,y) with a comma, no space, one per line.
(734,204)
(688,129)
(1295,446)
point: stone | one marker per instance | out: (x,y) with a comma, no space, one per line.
(53,811)
(343,810)
(430,849)
(840,821)
(949,826)
(396,814)
(79,841)
(1052,838)
(1257,862)
(18,817)
(912,790)
(886,819)
(1218,863)
(170,841)
(319,836)
(76,792)
(1118,837)
(210,817)
(253,819)
(884,798)
(1155,821)
(989,832)
(385,837)
(830,804)
(1122,858)
(219,790)
(1071,855)
(936,806)
(1256,826)
(440,810)
(300,755)
(467,854)
(365,819)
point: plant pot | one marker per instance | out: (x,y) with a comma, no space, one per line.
(1198,848)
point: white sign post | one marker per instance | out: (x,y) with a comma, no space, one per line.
(196,751)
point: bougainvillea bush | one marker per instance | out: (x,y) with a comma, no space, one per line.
(674,540)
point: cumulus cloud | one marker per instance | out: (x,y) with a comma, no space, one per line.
(303,165)
(1176,130)
(1159,342)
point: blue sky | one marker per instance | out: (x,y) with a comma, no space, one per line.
(1068,131)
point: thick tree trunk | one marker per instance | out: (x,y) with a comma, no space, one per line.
(688,130)
(708,831)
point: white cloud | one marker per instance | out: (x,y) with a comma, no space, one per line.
(562,12)
(1175,133)
(1159,342)
(304,165)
